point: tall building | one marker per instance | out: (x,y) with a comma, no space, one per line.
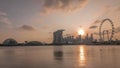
(69,39)
(58,37)
(79,39)
(91,38)
(86,39)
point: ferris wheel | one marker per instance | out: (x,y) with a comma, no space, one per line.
(109,33)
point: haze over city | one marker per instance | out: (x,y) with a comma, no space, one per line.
(59,33)
(38,19)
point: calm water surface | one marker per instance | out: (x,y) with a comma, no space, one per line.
(80,56)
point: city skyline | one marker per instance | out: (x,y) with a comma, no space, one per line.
(59,39)
(38,19)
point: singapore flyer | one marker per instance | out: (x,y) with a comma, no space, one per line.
(108,33)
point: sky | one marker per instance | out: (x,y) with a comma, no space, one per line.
(37,19)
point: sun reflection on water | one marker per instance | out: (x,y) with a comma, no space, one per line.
(82,57)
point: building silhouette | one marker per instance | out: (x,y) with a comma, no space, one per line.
(33,43)
(58,37)
(10,41)
(69,39)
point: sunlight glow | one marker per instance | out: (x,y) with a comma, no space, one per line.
(81,32)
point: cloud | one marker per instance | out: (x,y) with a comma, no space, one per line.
(3,13)
(93,27)
(4,20)
(62,5)
(27,28)
(96,22)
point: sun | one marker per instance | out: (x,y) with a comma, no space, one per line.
(81,32)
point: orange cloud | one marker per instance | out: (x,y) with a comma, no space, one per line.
(62,5)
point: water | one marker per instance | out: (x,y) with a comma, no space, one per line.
(80,56)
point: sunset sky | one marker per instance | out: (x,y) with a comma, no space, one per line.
(38,19)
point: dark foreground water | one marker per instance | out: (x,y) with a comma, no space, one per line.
(80,56)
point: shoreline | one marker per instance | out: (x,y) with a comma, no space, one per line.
(59,45)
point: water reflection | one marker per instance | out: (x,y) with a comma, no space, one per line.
(60,57)
(82,57)
(58,53)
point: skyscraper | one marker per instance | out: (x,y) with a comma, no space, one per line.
(58,37)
